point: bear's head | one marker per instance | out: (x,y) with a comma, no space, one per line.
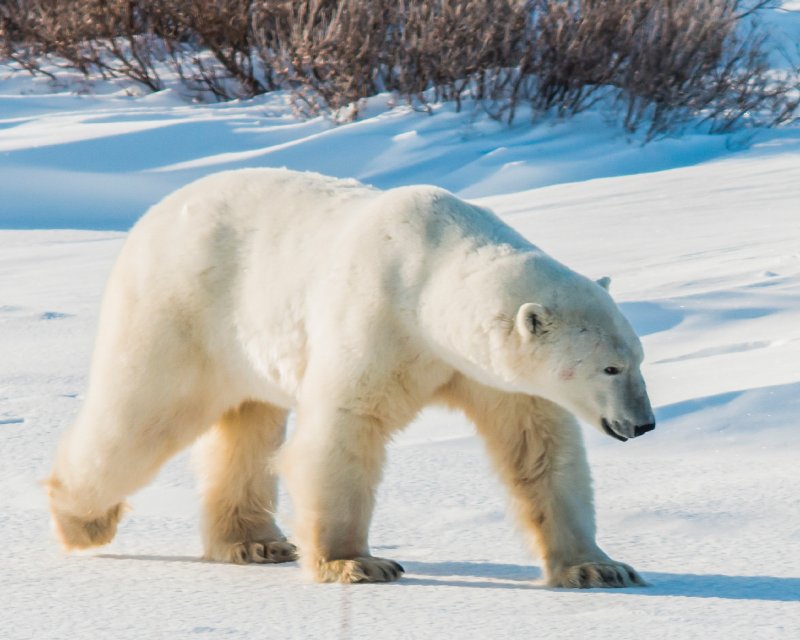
(574,347)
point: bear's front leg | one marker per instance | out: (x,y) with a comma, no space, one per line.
(332,466)
(538,449)
(552,490)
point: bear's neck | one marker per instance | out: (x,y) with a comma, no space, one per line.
(468,305)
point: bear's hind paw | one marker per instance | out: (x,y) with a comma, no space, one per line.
(361,569)
(603,575)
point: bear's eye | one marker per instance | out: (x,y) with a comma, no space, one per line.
(612,371)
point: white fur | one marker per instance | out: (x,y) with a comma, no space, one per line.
(251,293)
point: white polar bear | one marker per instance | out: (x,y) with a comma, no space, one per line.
(251,293)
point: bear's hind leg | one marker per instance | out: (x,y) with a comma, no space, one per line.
(87,529)
(240,488)
(114,448)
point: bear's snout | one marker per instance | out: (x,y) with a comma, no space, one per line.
(642,429)
(624,430)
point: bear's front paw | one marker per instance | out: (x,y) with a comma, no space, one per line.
(361,569)
(266,552)
(596,574)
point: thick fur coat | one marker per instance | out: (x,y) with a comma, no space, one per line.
(251,293)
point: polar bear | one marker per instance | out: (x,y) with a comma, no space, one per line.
(251,293)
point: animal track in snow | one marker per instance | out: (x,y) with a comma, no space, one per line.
(54,315)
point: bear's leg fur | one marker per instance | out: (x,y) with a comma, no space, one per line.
(240,487)
(537,448)
(332,466)
(115,447)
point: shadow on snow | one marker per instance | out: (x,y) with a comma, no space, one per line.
(687,585)
(488,575)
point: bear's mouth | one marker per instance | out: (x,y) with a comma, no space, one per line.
(607,428)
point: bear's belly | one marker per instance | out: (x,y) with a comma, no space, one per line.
(272,364)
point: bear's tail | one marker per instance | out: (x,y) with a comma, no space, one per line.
(85,530)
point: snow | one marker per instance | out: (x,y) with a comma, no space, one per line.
(701,236)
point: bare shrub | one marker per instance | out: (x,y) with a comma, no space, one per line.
(92,36)
(658,64)
(329,52)
(108,37)
(661,62)
(458,48)
(212,45)
(681,60)
(208,44)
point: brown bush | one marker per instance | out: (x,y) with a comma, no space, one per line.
(328,52)
(109,38)
(658,63)
(213,46)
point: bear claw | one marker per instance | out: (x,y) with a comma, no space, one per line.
(361,569)
(608,574)
(272,552)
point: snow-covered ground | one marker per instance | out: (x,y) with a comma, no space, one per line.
(702,239)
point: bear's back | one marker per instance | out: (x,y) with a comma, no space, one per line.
(297,230)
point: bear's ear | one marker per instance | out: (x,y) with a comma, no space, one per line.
(532,320)
(604,282)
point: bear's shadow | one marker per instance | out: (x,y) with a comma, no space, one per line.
(688,585)
(489,575)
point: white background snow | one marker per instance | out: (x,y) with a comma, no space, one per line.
(701,236)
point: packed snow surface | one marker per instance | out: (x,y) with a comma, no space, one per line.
(701,236)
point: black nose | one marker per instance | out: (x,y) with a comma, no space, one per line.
(640,430)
